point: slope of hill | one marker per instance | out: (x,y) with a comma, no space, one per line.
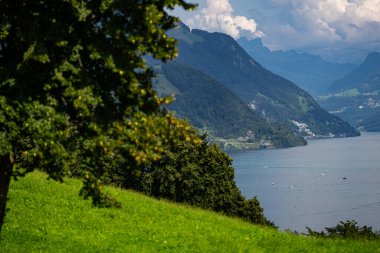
(366,77)
(219,56)
(212,107)
(47,216)
(356,96)
(308,71)
(371,123)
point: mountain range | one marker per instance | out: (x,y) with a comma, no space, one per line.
(356,96)
(272,97)
(365,78)
(216,110)
(310,72)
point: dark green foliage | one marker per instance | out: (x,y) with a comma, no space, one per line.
(200,175)
(251,211)
(92,189)
(73,71)
(347,230)
(283,138)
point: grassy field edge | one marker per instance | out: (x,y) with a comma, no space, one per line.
(47,216)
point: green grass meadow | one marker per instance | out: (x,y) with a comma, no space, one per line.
(47,216)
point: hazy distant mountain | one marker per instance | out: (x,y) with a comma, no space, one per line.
(338,54)
(356,96)
(215,109)
(220,56)
(366,77)
(308,71)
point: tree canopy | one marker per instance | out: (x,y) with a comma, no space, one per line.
(348,230)
(74,87)
(200,175)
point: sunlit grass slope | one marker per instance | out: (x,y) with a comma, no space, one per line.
(46,216)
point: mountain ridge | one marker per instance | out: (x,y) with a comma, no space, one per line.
(220,56)
(309,71)
(360,76)
(214,109)
(356,96)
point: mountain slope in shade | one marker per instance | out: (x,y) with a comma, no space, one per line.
(212,107)
(308,71)
(366,77)
(356,97)
(219,56)
(371,123)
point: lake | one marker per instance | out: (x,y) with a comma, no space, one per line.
(317,185)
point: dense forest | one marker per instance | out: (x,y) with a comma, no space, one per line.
(215,109)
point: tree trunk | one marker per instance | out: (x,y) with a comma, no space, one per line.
(5,178)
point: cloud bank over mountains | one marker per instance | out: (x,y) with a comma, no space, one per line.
(218,16)
(290,24)
(312,23)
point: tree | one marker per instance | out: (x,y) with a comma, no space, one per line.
(74,87)
(348,230)
(199,175)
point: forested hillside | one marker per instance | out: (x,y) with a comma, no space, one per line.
(215,109)
(277,99)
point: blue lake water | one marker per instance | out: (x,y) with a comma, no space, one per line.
(305,186)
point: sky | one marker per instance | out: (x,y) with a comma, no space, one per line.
(319,26)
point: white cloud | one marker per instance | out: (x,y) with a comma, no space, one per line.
(324,22)
(218,17)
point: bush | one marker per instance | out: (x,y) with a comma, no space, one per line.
(252,211)
(196,173)
(200,175)
(347,230)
